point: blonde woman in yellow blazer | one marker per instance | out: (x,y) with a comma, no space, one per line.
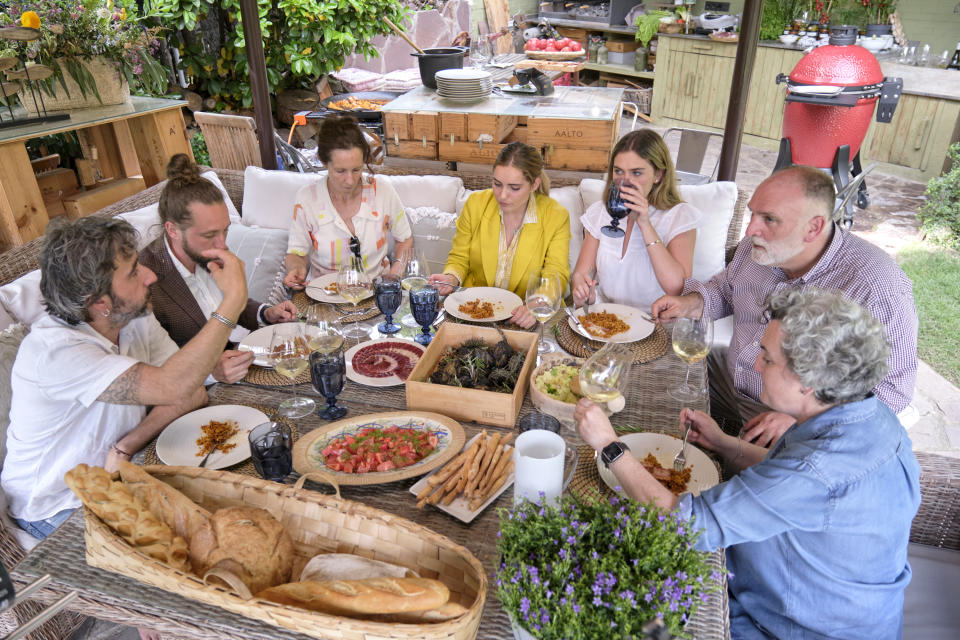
(509,232)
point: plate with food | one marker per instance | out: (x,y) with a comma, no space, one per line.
(482,304)
(609,322)
(221,428)
(656,451)
(259,343)
(382,363)
(379,447)
(325,289)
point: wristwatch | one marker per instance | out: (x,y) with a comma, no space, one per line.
(612,452)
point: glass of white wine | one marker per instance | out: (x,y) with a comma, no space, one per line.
(543,300)
(322,335)
(289,350)
(603,377)
(414,275)
(691,342)
(354,285)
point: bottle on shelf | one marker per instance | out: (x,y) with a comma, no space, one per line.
(602,53)
(955,61)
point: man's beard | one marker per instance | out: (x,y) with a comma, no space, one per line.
(124,312)
(773,254)
(198,259)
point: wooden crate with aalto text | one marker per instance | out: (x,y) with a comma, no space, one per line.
(572,133)
(485,407)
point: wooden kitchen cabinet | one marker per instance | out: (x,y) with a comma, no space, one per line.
(917,137)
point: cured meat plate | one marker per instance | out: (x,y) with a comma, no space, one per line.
(382,363)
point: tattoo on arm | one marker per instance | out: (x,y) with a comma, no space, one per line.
(126,388)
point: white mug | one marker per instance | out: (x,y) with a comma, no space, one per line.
(538,458)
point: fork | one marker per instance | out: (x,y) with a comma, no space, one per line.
(680,462)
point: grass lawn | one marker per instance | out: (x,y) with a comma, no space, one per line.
(936,290)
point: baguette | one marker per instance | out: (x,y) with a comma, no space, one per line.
(113,503)
(361,597)
(448,611)
(338,566)
(179,512)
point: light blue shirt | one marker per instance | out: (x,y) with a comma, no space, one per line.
(816,533)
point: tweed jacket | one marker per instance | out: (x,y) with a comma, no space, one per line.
(174,304)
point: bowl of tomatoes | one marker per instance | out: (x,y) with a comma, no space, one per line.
(553,49)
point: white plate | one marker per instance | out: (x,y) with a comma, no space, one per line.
(664,448)
(639,328)
(177,444)
(387,381)
(460,507)
(464,74)
(504,302)
(259,342)
(315,290)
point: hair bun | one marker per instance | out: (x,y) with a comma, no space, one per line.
(182,169)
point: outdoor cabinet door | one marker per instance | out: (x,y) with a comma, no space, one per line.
(766,101)
(917,137)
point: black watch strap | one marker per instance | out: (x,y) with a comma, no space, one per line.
(612,452)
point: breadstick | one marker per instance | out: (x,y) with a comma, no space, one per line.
(487,456)
(507,438)
(451,466)
(456,490)
(489,475)
(507,470)
(505,459)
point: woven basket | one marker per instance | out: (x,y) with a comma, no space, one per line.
(111,84)
(317,524)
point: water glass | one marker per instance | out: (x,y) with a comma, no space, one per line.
(423,305)
(388,295)
(537,420)
(617,209)
(271,448)
(327,373)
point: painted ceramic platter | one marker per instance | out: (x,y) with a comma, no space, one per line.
(308,456)
(382,363)
(639,327)
(321,289)
(503,301)
(664,448)
(177,444)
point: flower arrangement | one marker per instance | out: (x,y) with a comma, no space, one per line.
(74,31)
(596,569)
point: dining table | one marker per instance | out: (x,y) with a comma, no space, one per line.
(123,600)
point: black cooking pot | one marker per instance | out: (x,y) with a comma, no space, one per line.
(433,60)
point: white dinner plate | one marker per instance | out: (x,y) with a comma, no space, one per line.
(664,448)
(391,380)
(315,290)
(639,328)
(259,342)
(504,302)
(463,74)
(177,444)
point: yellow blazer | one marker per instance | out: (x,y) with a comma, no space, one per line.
(543,247)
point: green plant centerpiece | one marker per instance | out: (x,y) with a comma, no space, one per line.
(940,214)
(75,32)
(599,568)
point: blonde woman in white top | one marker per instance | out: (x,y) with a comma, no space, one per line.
(344,212)
(655,255)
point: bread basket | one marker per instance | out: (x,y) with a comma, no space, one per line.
(317,523)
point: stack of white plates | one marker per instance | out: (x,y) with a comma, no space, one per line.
(464,84)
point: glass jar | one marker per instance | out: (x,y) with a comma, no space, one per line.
(592,47)
(640,61)
(602,53)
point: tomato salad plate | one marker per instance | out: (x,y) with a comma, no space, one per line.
(324,289)
(482,304)
(382,363)
(379,447)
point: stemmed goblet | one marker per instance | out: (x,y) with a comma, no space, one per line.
(322,335)
(388,294)
(617,209)
(327,373)
(289,350)
(543,300)
(691,341)
(423,304)
(604,375)
(353,285)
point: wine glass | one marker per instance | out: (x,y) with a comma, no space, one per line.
(603,377)
(415,274)
(327,373)
(480,50)
(423,304)
(322,335)
(691,341)
(617,209)
(353,285)
(543,300)
(388,294)
(289,350)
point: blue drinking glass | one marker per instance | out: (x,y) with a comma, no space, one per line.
(423,305)
(327,373)
(617,209)
(388,295)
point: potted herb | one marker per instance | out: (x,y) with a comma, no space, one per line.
(596,569)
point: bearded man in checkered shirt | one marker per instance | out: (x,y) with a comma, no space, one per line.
(792,242)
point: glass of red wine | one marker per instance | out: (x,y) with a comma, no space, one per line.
(271,448)
(327,373)
(423,305)
(617,209)
(388,295)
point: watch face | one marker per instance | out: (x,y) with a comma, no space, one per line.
(612,452)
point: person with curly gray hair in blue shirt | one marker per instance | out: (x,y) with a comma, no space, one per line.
(815,528)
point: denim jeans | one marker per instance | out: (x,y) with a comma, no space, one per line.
(42,528)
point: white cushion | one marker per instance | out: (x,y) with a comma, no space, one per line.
(21,298)
(262,251)
(427,191)
(269,196)
(929,603)
(569,198)
(146,221)
(716,201)
(433,232)
(231,208)
(5,319)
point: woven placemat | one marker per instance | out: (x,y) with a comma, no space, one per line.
(246,467)
(302,301)
(650,348)
(268,377)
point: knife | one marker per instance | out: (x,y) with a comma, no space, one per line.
(576,320)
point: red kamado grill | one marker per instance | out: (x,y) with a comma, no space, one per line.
(831,95)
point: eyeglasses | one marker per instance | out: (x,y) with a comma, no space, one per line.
(355,246)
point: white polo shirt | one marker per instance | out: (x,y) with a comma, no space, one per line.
(56,421)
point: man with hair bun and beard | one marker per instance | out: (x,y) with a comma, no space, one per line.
(792,242)
(195,218)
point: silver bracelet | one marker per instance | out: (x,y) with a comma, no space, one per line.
(222,318)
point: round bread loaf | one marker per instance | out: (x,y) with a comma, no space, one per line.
(246,541)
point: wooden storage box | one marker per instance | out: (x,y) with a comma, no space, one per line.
(84,203)
(411,134)
(487,407)
(622,46)
(572,159)
(463,151)
(572,133)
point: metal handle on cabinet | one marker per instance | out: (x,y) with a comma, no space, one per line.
(700,47)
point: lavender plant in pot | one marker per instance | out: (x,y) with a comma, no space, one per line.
(598,569)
